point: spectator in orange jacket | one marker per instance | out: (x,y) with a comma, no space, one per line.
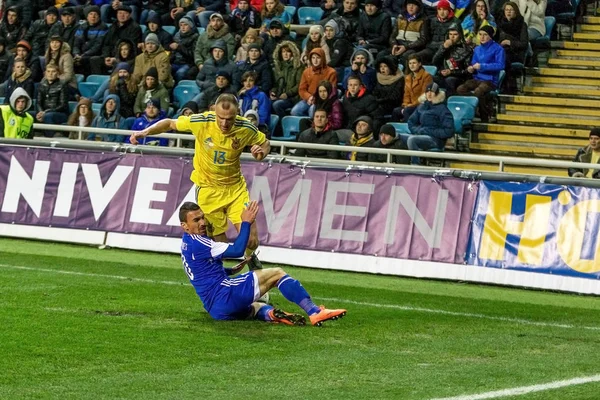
(310,80)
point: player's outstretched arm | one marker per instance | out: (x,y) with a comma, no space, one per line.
(160,127)
(237,248)
(260,151)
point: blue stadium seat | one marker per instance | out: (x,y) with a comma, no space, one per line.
(544,41)
(79,78)
(291,128)
(144,28)
(273,123)
(290,10)
(72,106)
(96,107)
(170,28)
(2,100)
(463,114)
(183,94)
(293,35)
(99,79)
(201,30)
(309,15)
(401,127)
(568,18)
(187,82)
(431,69)
(87,89)
(471,100)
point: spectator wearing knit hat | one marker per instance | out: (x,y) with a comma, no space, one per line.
(258,63)
(374,27)
(340,49)
(347,17)
(361,65)
(216,30)
(589,154)
(182,50)
(219,61)
(242,18)
(67,26)
(110,12)
(125,86)
(156,56)
(151,88)
(252,36)
(411,32)
(316,40)
(23,51)
(438,26)
(488,60)
(88,39)
(222,85)
(151,115)
(12,28)
(389,140)
(154,25)
(37,35)
(125,28)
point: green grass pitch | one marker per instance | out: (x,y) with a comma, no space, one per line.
(78,322)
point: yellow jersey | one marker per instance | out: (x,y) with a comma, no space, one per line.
(217,156)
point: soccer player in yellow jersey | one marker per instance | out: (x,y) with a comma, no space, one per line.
(221,192)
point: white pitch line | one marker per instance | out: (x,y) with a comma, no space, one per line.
(526,389)
(519,321)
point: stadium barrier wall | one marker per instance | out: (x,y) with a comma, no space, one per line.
(406,224)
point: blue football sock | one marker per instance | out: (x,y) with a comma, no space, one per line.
(293,291)
(263,313)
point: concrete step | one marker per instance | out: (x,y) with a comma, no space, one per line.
(570,63)
(566,82)
(497,138)
(569,73)
(581,45)
(541,110)
(589,28)
(591,20)
(513,169)
(527,130)
(587,36)
(560,91)
(535,151)
(578,55)
(552,101)
(582,123)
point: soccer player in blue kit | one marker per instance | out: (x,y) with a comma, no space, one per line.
(227,298)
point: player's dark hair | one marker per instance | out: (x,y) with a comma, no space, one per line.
(185,208)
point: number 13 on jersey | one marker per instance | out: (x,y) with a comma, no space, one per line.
(219,157)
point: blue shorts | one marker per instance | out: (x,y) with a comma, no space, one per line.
(235,296)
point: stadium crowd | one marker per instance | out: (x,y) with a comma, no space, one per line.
(361,66)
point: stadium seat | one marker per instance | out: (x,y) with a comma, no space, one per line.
(183,94)
(293,35)
(2,100)
(273,123)
(201,30)
(72,106)
(99,79)
(463,114)
(291,128)
(79,78)
(309,15)
(431,69)
(87,89)
(401,127)
(471,100)
(187,82)
(96,108)
(144,28)
(496,92)
(290,10)
(568,18)
(170,28)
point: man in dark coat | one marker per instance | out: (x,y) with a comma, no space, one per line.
(66,27)
(452,59)
(11,28)
(258,63)
(88,39)
(438,26)
(221,86)
(357,102)
(374,27)
(319,133)
(347,17)
(389,140)
(37,35)
(589,154)
(362,136)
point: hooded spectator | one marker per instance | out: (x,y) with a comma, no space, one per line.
(109,118)
(316,40)
(11,27)
(222,86)
(125,86)
(15,121)
(361,65)
(219,61)
(83,115)
(310,80)
(288,72)
(362,136)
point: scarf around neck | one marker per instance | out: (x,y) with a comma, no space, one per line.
(358,142)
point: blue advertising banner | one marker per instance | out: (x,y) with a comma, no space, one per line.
(538,228)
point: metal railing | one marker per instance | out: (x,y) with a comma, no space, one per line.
(283,155)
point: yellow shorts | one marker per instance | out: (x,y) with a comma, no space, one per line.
(220,204)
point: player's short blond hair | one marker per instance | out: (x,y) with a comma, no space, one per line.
(226,101)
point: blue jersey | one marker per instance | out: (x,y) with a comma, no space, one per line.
(202,261)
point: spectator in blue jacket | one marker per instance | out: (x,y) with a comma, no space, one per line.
(361,65)
(487,62)
(109,117)
(152,114)
(431,124)
(252,98)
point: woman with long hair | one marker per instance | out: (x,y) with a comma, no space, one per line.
(274,9)
(125,86)
(326,99)
(81,116)
(480,15)
(315,40)
(59,52)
